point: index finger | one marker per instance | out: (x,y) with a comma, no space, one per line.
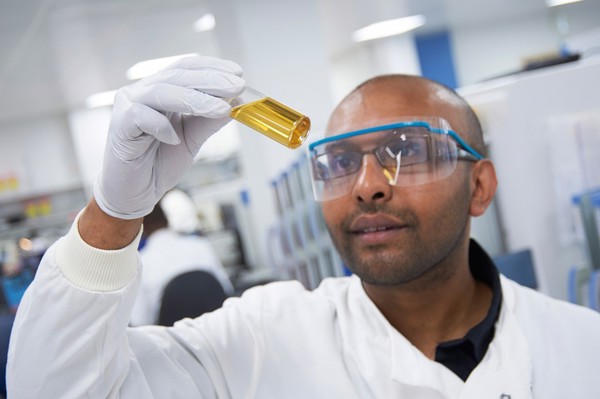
(206,62)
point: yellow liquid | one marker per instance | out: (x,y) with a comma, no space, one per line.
(274,120)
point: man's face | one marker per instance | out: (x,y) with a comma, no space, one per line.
(390,235)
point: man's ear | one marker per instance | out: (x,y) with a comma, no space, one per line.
(484,183)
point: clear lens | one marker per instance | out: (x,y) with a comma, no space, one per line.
(410,153)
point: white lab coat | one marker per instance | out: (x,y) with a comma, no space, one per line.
(167,254)
(71,340)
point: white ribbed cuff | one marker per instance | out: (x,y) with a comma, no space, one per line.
(92,268)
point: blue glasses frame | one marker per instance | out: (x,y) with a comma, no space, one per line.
(461,143)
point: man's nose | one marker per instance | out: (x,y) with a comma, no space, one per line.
(371,183)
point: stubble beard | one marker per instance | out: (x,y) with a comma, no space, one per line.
(394,263)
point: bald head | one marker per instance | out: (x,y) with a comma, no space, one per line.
(385,98)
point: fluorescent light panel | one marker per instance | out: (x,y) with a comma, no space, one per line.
(150,67)
(388,28)
(205,23)
(138,71)
(102,99)
(554,3)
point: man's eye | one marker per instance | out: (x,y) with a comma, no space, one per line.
(322,171)
(410,149)
(343,163)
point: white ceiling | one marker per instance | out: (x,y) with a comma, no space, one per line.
(54,53)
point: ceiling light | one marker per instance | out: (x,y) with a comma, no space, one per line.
(150,67)
(205,23)
(554,3)
(102,99)
(387,28)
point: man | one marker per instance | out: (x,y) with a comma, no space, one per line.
(425,314)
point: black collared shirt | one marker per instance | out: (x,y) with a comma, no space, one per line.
(463,355)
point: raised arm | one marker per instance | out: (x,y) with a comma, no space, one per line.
(157,127)
(69,337)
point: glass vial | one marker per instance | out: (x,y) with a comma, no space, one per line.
(271,118)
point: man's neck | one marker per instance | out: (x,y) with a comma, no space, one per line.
(438,307)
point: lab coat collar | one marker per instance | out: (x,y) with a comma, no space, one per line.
(506,368)
(401,360)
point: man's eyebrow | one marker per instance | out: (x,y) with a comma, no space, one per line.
(344,145)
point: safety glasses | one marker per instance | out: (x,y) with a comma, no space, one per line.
(410,152)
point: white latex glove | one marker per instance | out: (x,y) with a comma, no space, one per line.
(157,127)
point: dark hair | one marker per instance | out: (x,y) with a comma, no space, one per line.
(155,220)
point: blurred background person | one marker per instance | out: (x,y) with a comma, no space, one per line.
(19,260)
(173,246)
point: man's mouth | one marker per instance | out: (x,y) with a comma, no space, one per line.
(374,221)
(376,227)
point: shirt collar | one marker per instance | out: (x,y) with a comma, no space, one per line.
(464,354)
(483,269)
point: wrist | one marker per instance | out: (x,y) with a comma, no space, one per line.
(102,231)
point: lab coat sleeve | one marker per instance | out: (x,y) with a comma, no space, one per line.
(141,314)
(70,338)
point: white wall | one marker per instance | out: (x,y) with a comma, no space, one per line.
(41,154)
(519,114)
(486,51)
(89,129)
(365,60)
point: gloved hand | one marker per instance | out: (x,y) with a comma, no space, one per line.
(158,124)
